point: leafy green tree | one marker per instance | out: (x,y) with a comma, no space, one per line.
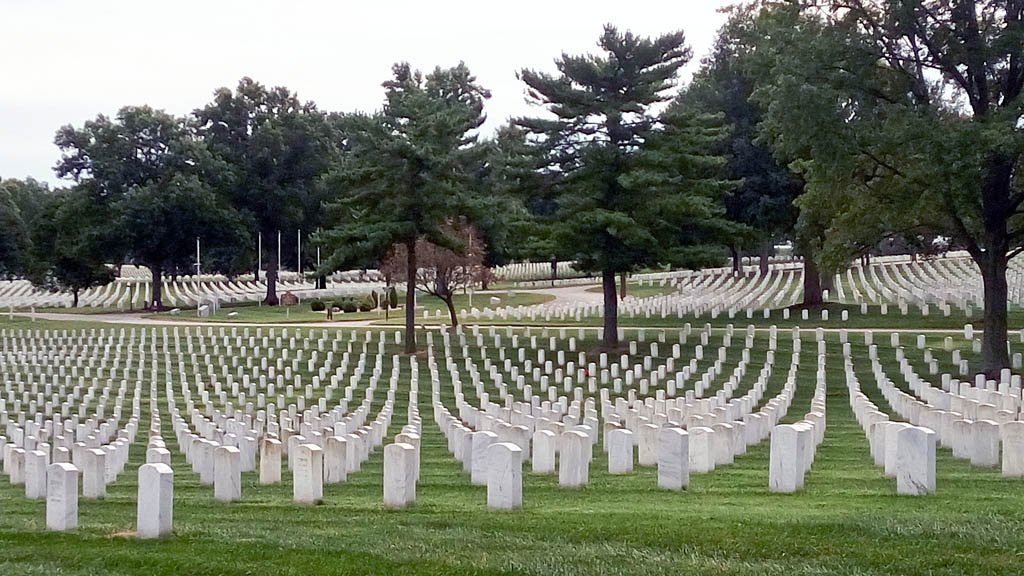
(404,173)
(725,83)
(619,208)
(276,148)
(67,250)
(14,238)
(906,118)
(149,178)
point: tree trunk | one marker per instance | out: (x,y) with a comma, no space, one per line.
(736,267)
(74,298)
(272,299)
(611,311)
(451,310)
(767,249)
(812,283)
(828,281)
(321,282)
(622,286)
(158,288)
(994,356)
(410,297)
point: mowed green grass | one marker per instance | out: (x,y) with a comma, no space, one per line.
(301,313)
(848,520)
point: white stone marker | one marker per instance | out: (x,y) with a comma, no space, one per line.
(985,445)
(308,475)
(545,447)
(574,460)
(915,461)
(890,446)
(620,451)
(14,466)
(785,461)
(227,476)
(504,476)
(647,446)
(270,461)
(399,475)
(335,460)
(158,456)
(673,459)
(701,457)
(1012,435)
(94,481)
(61,497)
(481,442)
(155,517)
(35,475)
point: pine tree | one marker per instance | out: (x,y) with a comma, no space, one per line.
(623,202)
(404,172)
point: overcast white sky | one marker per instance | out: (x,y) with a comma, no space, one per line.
(65,61)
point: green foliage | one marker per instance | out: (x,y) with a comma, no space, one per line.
(317,306)
(404,173)
(392,298)
(148,180)
(67,244)
(14,236)
(274,148)
(623,201)
(906,120)
(763,200)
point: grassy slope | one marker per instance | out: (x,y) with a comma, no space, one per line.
(847,521)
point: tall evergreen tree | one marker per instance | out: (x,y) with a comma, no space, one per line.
(616,211)
(403,175)
(724,84)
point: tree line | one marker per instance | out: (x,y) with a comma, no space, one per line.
(836,124)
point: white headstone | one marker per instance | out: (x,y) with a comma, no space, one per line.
(308,475)
(504,476)
(673,459)
(915,461)
(61,497)
(156,501)
(399,475)
(620,451)
(227,480)
(270,461)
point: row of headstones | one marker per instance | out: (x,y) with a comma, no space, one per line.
(710,446)
(793,446)
(155,509)
(904,451)
(975,439)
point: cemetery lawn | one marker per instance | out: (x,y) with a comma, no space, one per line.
(847,521)
(301,313)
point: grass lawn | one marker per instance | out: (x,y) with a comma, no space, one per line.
(848,520)
(253,313)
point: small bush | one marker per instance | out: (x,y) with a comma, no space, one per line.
(348,306)
(317,306)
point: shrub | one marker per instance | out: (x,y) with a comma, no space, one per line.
(317,306)
(393,297)
(347,306)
